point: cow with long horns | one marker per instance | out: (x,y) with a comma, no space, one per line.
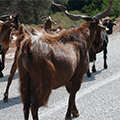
(60,60)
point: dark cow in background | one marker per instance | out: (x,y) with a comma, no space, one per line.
(47,25)
(108,23)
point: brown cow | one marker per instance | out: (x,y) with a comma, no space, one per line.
(47,22)
(29,31)
(5,31)
(48,62)
(19,34)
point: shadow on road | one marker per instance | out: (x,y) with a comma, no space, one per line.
(16,100)
(5,78)
(11,102)
(92,78)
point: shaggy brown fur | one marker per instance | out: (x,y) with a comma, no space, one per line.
(48,62)
(22,33)
(28,30)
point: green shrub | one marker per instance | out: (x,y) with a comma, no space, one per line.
(62,20)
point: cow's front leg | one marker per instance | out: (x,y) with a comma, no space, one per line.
(1,74)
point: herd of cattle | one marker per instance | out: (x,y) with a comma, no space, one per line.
(49,58)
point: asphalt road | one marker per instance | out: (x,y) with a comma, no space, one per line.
(98,98)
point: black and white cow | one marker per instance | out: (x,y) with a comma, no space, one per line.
(108,23)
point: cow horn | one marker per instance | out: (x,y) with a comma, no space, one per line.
(5,16)
(104,13)
(1,21)
(52,21)
(10,20)
(43,18)
(72,16)
(87,18)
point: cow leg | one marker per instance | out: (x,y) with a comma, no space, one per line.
(93,67)
(2,64)
(88,72)
(34,112)
(72,88)
(34,107)
(12,72)
(25,90)
(94,59)
(105,57)
(1,74)
(3,61)
(25,95)
(74,110)
(26,106)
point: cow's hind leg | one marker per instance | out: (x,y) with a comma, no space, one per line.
(2,64)
(94,59)
(26,106)
(34,106)
(12,72)
(25,90)
(105,57)
(34,111)
(1,74)
(26,101)
(72,87)
(93,67)
(88,72)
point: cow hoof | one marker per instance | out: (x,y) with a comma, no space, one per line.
(105,66)
(89,74)
(93,69)
(5,99)
(1,74)
(75,114)
(68,118)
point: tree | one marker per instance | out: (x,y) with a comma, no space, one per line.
(77,4)
(5,6)
(29,11)
(115,11)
